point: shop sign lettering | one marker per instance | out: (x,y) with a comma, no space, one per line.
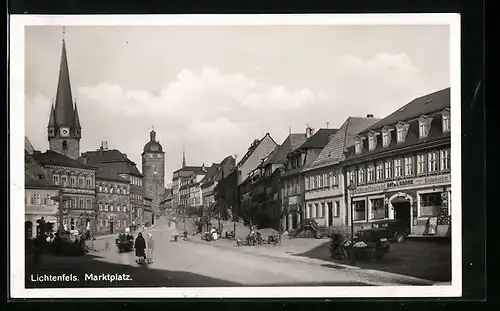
(403,183)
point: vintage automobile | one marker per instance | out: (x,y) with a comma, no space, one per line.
(366,243)
(394,230)
(125,243)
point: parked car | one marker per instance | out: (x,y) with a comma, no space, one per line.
(367,242)
(394,230)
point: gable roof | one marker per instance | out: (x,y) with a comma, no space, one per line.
(34,174)
(111,159)
(210,174)
(256,143)
(50,157)
(292,142)
(28,146)
(333,152)
(319,139)
(226,167)
(429,103)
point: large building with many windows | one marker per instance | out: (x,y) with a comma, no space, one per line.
(324,181)
(292,179)
(116,170)
(77,181)
(399,168)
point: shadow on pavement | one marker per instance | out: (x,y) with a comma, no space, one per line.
(430,260)
(140,276)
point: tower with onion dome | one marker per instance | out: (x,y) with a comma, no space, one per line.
(153,169)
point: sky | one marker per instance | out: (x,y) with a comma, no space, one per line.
(214,89)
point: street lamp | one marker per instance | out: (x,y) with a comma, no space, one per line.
(351,187)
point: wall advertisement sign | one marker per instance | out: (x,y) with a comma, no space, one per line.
(394,185)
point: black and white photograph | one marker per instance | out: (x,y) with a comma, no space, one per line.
(232,156)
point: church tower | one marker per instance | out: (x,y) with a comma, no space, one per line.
(64,129)
(153,169)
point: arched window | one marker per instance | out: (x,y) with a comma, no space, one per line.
(65,145)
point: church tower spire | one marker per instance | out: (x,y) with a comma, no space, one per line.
(64,129)
(64,100)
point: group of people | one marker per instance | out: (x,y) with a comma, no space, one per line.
(144,248)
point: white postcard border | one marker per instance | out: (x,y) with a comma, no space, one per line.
(16,54)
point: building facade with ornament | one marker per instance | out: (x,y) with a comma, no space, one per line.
(119,188)
(400,168)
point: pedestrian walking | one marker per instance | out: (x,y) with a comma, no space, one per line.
(140,248)
(150,248)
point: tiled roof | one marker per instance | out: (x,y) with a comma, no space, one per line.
(34,174)
(269,159)
(252,148)
(441,102)
(319,139)
(190,169)
(210,174)
(108,173)
(334,151)
(292,142)
(226,167)
(50,157)
(423,105)
(111,159)
(28,146)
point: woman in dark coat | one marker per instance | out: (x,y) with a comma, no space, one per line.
(140,246)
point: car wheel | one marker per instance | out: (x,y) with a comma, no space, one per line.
(399,237)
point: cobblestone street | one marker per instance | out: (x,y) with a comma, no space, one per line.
(197,263)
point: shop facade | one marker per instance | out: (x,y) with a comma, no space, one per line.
(400,168)
(421,203)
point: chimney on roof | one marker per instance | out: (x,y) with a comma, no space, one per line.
(369,115)
(104,145)
(309,131)
(125,155)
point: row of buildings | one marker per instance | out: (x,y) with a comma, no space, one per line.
(100,190)
(397,167)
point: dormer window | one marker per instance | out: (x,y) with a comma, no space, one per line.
(359,145)
(386,138)
(400,135)
(372,141)
(401,131)
(423,126)
(446,120)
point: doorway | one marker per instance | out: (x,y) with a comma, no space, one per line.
(402,211)
(330,214)
(294,220)
(111,226)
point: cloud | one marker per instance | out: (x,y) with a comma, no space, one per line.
(211,114)
(214,114)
